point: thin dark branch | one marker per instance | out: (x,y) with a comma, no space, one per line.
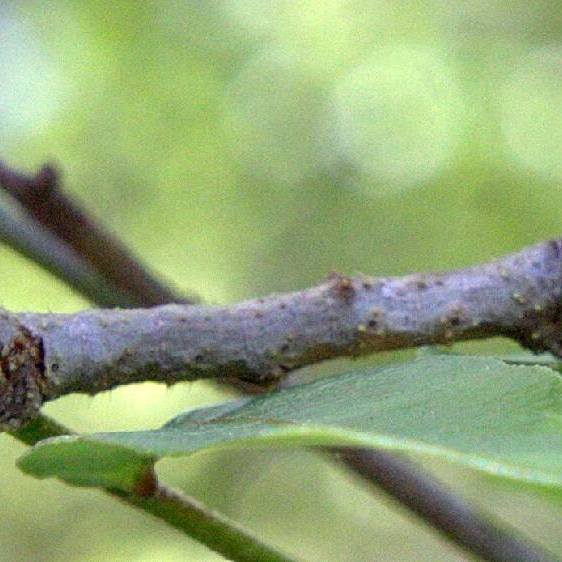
(37,244)
(441,508)
(41,196)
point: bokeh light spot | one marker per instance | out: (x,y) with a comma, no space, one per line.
(396,118)
(32,88)
(531,116)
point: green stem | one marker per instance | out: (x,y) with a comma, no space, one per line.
(40,428)
(185,513)
(208,527)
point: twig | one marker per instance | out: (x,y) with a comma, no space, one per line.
(518,296)
(42,198)
(440,508)
(185,513)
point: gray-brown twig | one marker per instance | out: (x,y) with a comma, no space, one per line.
(518,296)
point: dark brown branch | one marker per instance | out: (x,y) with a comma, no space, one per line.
(440,508)
(518,296)
(36,243)
(42,198)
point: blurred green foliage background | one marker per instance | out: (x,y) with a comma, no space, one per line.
(249,146)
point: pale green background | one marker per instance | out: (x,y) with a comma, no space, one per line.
(249,146)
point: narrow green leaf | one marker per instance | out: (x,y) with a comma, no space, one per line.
(545,359)
(499,418)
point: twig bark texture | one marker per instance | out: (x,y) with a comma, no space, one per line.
(49,355)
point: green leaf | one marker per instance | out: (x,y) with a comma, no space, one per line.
(499,418)
(92,463)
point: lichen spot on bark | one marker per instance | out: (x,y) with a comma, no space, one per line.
(342,287)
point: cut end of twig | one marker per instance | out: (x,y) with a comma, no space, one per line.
(46,179)
(26,188)
(21,379)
